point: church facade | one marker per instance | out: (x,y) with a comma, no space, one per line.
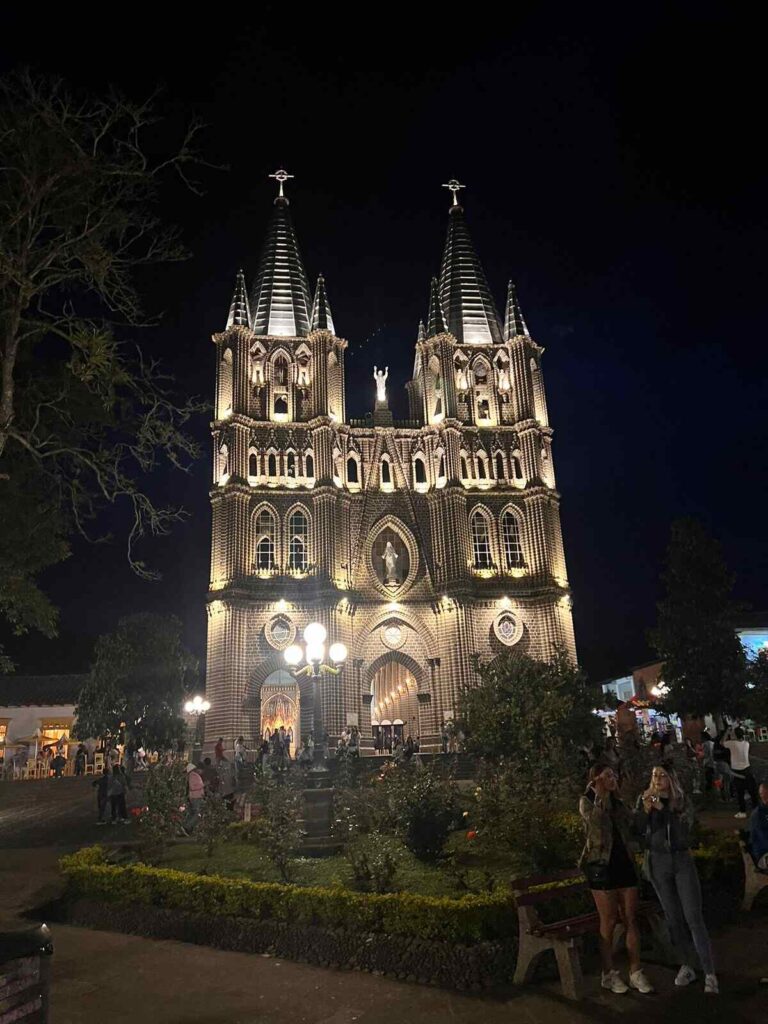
(421,545)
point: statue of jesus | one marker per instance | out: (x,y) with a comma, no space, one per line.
(380,376)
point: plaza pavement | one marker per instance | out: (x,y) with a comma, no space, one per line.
(122,978)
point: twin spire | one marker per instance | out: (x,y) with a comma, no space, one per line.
(460,301)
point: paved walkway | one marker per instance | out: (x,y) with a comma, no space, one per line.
(122,978)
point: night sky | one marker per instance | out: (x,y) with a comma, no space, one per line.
(614,169)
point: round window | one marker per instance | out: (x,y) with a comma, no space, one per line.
(280,632)
(508,628)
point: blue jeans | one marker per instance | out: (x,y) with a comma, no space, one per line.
(193,813)
(677,885)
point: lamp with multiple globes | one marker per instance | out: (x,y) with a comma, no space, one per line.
(197,706)
(313,653)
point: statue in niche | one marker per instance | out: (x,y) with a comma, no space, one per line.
(390,563)
(258,372)
(303,372)
(380,376)
(503,378)
(461,378)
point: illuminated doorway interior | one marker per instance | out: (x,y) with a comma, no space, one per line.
(394,708)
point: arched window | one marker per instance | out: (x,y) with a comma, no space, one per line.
(290,468)
(483,409)
(481,541)
(518,467)
(280,371)
(499,466)
(265,540)
(539,401)
(271,464)
(386,472)
(253,464)
(419,470)
(353,477)
(464,468)
(309,466)
(441,467)
(281,405)
(225,384)
(511,539)
(298,536)
(482,468)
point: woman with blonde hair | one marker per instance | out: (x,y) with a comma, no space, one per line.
(610,871)
(665,815)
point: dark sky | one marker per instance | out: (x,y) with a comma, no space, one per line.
(613,157)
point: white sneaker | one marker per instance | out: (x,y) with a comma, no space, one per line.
(740,814)
(685,976)
(711,986)
(612,980)
(638,980)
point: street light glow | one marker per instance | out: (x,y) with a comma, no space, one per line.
(293,655)
(314,634)
(338,653)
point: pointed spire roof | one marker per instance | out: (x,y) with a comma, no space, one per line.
(514,323)
(321,319)
(281,300)
(435,319)
(422,335)
(239,313)
(464,293)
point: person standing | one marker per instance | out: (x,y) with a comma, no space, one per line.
(80,756)
(664,816)
(195,797)
(118,784)
(741,772)
(758,829)
(611,874)
(59,763)
(227,784)
(101,785)
(240,756)
(218,750)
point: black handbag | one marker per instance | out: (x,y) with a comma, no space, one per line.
(596,874)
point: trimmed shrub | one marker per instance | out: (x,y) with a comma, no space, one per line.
(469,919)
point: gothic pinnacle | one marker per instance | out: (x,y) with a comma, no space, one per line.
(422,335)
(321,309)
(239,313)
(514,323)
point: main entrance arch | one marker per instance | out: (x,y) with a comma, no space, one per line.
(394,705)
(280,706)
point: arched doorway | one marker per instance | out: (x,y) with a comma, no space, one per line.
(394,707)
(280,706)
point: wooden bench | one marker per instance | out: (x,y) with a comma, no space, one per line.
(562,937)
(755,880)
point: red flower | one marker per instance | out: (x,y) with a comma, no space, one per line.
(472,834)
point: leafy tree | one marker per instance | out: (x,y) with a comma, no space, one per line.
(85,415)
(418,805)
(532,722)
(695,635)
(530,713)
(757,683)
(138,680)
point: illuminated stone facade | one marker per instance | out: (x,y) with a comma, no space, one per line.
(420,545)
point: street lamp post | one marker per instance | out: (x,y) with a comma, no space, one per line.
(313,653)
(197,707)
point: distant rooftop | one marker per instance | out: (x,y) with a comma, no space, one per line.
(20,691)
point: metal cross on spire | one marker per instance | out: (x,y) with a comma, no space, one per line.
(453,186)
(281,176)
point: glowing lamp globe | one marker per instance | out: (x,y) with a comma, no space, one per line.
(315,653)
(293,655)
(338,653)
(315,634)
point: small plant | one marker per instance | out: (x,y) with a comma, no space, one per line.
(419,805)
(165,790)
(374,859)
(277,829)
(212,828)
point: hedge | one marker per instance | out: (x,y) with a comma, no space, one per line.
(466,920)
